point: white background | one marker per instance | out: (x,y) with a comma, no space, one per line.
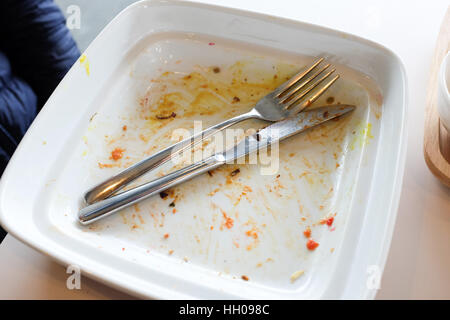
(418,266)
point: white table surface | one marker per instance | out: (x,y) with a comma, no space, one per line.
(418,265)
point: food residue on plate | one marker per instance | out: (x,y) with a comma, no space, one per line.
(84,61)
(228,222)
(296,275)
(307,232)
(117,154)
(311,244)
(233,217)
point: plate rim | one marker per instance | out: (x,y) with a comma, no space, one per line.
(64,259)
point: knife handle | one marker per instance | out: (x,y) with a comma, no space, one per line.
(125,199)
(117,182)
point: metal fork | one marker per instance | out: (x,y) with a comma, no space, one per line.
(285,101)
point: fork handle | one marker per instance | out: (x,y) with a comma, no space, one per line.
(117,182)
(125,199)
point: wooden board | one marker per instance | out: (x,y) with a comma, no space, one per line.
(436,137)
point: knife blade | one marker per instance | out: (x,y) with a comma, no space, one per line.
(284,129)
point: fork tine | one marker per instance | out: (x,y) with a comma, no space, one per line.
(291,92)
(288,84)
(297,98)
(311,100)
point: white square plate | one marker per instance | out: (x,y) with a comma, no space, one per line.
(41,189)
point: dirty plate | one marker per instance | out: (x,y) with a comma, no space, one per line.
(243,230)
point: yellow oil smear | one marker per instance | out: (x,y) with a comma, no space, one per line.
(85,62)
(362,136)
(210,90)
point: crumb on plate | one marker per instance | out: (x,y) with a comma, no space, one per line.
(235,172)
(117,154)
(307,232)
(311,244)
(166,116)
(296,275)
(163,195)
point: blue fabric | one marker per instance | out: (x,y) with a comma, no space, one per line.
(36,51)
